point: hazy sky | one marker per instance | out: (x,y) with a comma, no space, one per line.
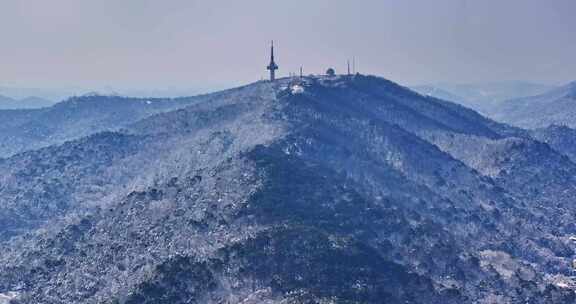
(208,43)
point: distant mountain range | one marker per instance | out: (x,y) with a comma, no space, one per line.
(14,97)
(76,117)
(482,97)
(25,103)
(557,106)
(346,190)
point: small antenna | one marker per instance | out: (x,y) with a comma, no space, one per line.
(348,62)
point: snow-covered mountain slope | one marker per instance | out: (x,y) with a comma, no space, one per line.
(560,138)
(24,130)
(352,190)
(556,107)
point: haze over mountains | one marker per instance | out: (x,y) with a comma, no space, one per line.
(557,106)
(15,97)
(351,190)
(541,107)
(22,92)
(7,103)
(483,97)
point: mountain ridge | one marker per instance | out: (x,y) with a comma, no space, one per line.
(356,173)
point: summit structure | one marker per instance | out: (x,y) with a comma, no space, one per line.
(272,67)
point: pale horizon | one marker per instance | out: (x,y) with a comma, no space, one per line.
(209,45)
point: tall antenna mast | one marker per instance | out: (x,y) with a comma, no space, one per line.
(354,64)
(301,73)
(272,67)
